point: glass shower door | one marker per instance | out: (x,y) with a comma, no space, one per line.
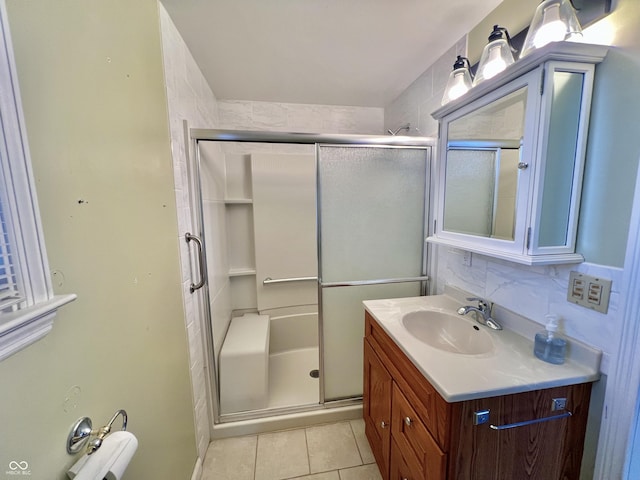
(371,218)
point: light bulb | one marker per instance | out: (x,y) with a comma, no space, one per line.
(459,86)
(459,81)
(496,55)
(553,21)
(553,29)
(495,64)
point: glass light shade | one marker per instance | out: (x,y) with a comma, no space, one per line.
(496,56)
(554,21)
(458,84)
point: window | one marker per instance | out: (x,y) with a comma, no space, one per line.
(10,296)
(27,302)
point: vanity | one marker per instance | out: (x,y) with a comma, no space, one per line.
(446,398)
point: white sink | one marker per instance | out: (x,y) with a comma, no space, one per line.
(448,332)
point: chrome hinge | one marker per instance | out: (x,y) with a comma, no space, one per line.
(528,238)
(542,75)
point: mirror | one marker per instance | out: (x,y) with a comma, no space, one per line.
(481,179)
(561,151)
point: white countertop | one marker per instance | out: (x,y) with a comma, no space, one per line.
(510,368)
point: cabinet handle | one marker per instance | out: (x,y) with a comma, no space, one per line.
(523,166)
(530,422)
(383,424)
(408,421)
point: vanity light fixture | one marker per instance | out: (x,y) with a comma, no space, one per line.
(459,81)
(554,21)
(496,56)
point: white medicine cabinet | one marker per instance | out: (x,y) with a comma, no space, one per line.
(511,156)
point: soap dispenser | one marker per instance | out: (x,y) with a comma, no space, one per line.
(549,346)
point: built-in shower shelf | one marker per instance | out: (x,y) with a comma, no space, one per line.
(241,272)
(238,201)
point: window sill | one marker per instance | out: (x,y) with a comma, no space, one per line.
(24,327)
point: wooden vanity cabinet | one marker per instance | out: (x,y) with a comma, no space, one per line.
(415,434)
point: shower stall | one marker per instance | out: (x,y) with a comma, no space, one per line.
(294,232)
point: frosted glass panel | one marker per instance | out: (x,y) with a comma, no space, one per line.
(561,156)
(343,330)
(470,191)
(284,216)
(371,212)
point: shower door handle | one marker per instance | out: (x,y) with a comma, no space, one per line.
(195,286)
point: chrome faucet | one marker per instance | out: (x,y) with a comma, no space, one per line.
(483,309)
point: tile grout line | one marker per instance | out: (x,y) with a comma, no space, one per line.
(255,458)
(306,443)
(355,439)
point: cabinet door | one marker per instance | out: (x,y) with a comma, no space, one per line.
(551,450)
(377,408)
(399,468)
(420,451)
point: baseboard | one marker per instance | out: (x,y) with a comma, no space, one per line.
(197,470)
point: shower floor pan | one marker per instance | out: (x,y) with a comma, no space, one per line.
(290,382)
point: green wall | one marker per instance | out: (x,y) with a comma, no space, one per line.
(613,148)
(92,85)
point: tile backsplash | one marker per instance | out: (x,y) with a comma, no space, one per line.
(533,292)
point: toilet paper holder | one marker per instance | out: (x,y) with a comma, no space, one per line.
(82,430)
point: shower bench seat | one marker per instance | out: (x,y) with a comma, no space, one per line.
(244,364)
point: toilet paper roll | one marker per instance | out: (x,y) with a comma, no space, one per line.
(109,462)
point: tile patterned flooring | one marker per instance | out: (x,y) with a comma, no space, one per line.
(335,451)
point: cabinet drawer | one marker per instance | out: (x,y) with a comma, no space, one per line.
(418,447)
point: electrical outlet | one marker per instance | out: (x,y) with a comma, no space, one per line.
(466,258)
(588,291)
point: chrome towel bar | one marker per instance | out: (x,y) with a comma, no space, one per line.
(346,283)
(270,281)
(530,422)
(356,283)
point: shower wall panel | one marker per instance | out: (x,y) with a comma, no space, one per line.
(284,214)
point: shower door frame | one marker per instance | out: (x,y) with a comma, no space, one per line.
(196,135)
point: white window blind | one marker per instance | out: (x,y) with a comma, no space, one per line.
(10,294)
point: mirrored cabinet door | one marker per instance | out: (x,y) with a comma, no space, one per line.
(562,143)
(483,188)
(483,168)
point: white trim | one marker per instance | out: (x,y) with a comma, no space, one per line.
(34,319)
(25,326)
(197,470)
(472,246)
(621,397)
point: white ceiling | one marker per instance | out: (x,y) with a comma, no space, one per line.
(333,52)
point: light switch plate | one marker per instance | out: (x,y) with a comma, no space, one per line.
(588,291)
